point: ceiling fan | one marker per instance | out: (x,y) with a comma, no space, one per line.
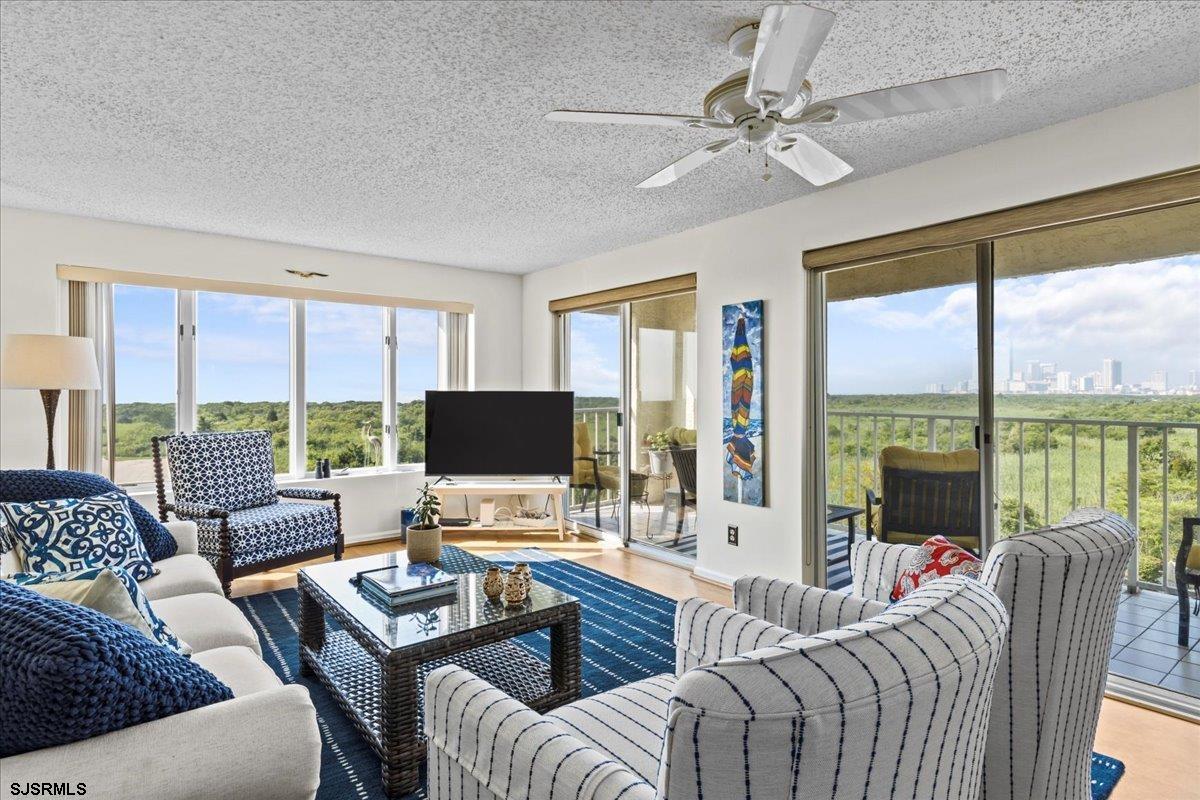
(766,106)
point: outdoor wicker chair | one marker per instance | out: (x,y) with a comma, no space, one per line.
(926,494)
(225,482)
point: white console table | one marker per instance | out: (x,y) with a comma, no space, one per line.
(503,489)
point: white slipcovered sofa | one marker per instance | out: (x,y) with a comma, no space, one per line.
(262,744)
(892,706)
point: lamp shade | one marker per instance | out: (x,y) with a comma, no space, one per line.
(36,361)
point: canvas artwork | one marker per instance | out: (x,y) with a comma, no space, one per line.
(744,379)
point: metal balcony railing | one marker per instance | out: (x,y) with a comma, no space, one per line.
(1045,466)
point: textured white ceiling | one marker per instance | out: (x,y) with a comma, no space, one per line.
(414,129)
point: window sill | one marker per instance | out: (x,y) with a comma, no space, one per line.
(287,479)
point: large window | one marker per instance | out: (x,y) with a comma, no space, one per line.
(416,350)
(345,385)
(242,366)
(330,380)
(143,339)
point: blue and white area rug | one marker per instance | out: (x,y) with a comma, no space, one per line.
(627,635)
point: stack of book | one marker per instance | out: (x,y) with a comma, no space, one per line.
(410,583)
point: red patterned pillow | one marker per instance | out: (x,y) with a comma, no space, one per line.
(937,557)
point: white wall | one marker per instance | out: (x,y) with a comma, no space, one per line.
(758,255)
(32,300)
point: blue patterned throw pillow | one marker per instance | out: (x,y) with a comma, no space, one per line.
(159,630)
(68,535)
(28,485)
(71,673)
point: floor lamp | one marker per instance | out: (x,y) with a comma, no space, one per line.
(49,364)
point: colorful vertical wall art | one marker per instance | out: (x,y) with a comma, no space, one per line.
(744,381)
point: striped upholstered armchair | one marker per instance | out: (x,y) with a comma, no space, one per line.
(891,706)
(1060,586)
(225,482)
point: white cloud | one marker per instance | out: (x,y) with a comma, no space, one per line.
(1146,314)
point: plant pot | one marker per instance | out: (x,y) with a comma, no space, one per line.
(660,462)
(424,544)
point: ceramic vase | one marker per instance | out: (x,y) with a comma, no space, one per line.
(493,583)
(515,590)
(522,569)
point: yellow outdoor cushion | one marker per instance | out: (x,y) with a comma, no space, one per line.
(898,457)
(583,440)
(610,477)
(682,436)
(899,537)
(1193,560)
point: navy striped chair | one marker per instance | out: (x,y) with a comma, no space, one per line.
(1060,586)
(894,705)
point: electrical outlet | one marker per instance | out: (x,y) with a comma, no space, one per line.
(733,535)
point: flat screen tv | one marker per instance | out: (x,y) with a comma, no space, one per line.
(499,433)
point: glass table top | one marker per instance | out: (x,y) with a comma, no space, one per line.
(425,620)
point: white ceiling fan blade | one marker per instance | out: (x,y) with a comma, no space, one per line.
(688,163)
(789,38)
(959,91)
(632,118)
(808,159)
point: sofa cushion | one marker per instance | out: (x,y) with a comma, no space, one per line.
(207,621)
(29,485)
(230,470)
(628,723)
(103,589)
(280,529)
(239,668)
(69,534)
(71,673)
(185,574)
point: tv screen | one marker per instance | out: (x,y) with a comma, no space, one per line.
(499,433)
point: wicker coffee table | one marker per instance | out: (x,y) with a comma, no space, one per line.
(374,662)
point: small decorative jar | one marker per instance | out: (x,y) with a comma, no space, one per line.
(493,583)
(515,589)
(522,569)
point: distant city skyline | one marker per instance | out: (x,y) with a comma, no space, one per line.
(1044,377)
(1137,314)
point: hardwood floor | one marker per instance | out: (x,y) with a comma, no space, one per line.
(1159,751)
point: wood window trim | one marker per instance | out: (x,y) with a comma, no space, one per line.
(1131,197)
(677,284)
(71,272)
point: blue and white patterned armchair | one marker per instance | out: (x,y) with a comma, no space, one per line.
(894,705)
(225,482)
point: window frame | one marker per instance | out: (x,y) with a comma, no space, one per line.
(454,370)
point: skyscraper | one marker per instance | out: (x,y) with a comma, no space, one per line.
(1110,374)
(1158,380)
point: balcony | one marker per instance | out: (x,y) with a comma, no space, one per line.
(1046,467)
(654,516)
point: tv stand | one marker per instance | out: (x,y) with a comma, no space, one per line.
(556,489)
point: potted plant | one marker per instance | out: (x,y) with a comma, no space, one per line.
(660,458)
(425,538)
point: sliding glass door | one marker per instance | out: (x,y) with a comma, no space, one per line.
(632,366)
(662,422)
(902,383)
(593,373)
(1061,368)
(1097,349)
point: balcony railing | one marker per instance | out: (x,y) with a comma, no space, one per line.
(602,422)
(1044,468)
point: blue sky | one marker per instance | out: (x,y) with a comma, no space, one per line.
(1147,315)
(243,349)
